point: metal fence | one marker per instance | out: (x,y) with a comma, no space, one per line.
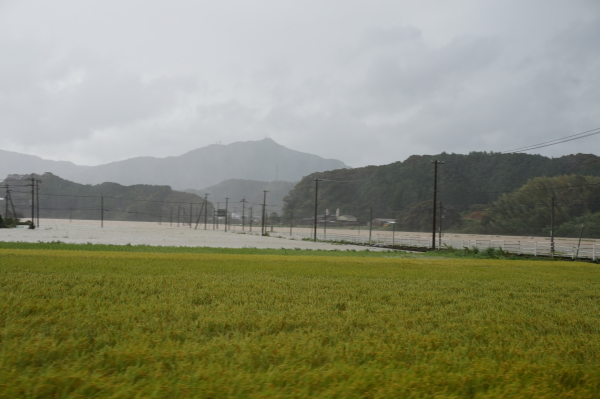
(403,241)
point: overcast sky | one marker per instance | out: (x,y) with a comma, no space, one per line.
(366,82)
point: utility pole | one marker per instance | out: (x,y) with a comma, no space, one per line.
(316,203)
(552,226)
(264,212)
(435,168)
(199,215)
(291,221)
(251,217)
(171,216)
(218,208)
(370,223)
(12,205)
(205,212)
(32,225)
(226,213)
(191,211)
(6,204)
(440,235)
(178,213)
(101,211)
(243,213)
(183,216)
(325,226)
(37,196)
(579,244)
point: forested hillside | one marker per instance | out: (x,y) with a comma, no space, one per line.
(60,198)
(463,181)
(525,211)
(528,209)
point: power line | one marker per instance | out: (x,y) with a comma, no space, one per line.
(561,140)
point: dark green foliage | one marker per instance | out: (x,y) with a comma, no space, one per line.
(9,222)
(62,199)
(418,217)
(572,228)
(488,253)
(274,218)
(463,180)
(62,246)
(347,195)
(527,210)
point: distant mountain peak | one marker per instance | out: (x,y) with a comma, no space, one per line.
(262,160)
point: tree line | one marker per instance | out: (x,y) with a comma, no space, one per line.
(481,192)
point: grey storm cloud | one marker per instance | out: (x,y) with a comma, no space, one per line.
(364,82)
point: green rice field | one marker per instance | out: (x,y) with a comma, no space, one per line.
(83,322)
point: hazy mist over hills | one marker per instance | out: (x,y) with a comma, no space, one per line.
(251,190)
(64,199)
(262,160)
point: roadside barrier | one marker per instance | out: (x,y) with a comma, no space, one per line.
(517,247)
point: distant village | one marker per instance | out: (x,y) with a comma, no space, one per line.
(327,218)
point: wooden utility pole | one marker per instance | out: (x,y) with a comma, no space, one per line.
(6,202)
(12,205)
(183,216)
(251,217)
(226,213)
(178,213)
(102,211)
(37,203)
(316,204)
(440,235)
(264,213)
(435,168)
(370,223)
(325,225)
(552,226)
(205,212)
(199,215)
(32,225)
(191,211)
(579,243)
(243,213)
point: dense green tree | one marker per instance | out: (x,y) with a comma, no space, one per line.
(572,228)
(274,218)
(418,217)
(528,209)
(463,180)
